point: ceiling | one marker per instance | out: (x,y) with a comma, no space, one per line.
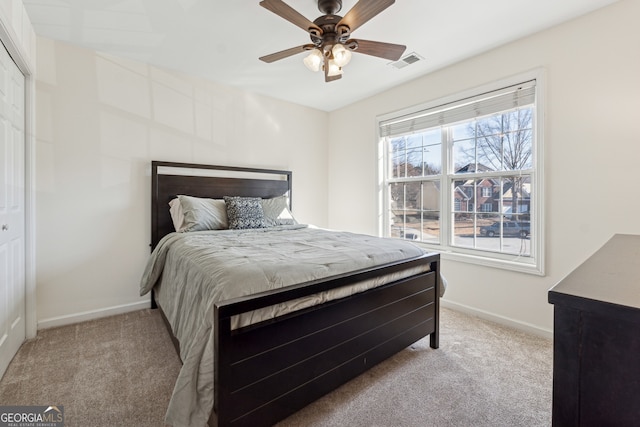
(222,40)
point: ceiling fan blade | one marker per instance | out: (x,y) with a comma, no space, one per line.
(363,11)
(285,11)
(389,51)
(284,53)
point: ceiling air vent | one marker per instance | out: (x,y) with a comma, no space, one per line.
(406,60)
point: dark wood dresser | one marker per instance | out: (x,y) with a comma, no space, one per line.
(596,355)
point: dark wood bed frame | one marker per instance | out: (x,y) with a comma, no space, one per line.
(267,371)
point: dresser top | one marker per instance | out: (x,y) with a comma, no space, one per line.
(610,275)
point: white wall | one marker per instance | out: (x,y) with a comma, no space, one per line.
(101,120)
(592,148)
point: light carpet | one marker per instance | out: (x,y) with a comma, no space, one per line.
(120,371)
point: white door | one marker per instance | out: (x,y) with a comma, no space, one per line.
(12,211)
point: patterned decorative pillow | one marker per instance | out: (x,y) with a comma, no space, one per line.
(244,212)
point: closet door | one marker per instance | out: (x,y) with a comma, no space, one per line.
(12,209)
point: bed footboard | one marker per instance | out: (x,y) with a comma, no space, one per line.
(266,372)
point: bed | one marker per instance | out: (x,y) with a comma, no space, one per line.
(249,362)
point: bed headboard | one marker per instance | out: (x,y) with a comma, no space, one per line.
(168,179)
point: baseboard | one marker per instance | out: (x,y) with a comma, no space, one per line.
(125,308)
(90,315)
(516,324)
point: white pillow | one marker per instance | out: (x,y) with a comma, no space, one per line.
(177,216)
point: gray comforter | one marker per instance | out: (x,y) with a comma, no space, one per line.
(193,271)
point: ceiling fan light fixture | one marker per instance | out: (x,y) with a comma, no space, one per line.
(341,55)
(314,60)
(334,68)
(331,43)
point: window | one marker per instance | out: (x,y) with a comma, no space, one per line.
(463,176)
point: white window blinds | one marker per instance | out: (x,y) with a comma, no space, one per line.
(481,105)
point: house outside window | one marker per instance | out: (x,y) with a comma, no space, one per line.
(459,174)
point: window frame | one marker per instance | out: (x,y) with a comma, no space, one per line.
(532,264)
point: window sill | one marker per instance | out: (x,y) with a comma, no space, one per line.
(512,263)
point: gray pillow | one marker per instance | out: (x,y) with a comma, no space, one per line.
(276,212)
(245,212)
(203,214)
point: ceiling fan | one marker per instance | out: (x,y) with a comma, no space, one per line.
(331,43)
